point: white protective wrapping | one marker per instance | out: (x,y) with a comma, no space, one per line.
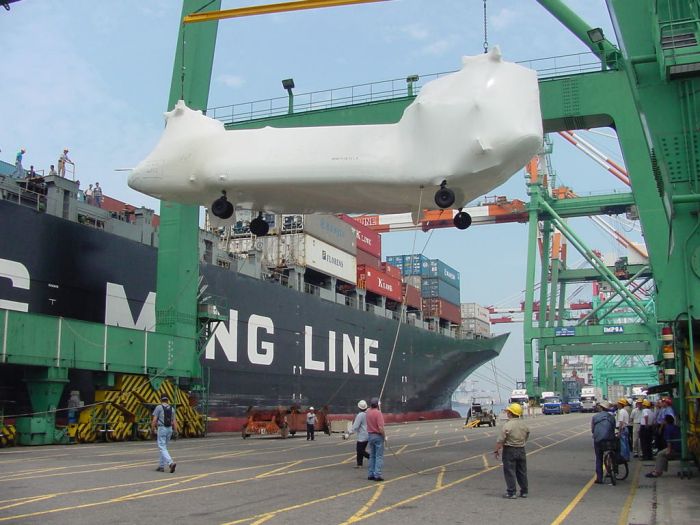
(473,129)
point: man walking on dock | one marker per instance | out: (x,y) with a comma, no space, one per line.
(511,439)
(163,424)
(375,429)
(359,427)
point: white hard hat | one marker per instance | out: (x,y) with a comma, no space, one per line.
(311,408)
(362,405)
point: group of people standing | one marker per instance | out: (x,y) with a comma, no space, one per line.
(369,428)
(639,429)
(20,173)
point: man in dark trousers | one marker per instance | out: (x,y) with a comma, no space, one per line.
(511,439)
(163,425)
(603,430)
(310,424)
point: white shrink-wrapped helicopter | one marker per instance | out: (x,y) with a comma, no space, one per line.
(464,134)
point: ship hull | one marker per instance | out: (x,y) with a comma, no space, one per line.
(279,347)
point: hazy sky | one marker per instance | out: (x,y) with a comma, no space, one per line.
(95,76)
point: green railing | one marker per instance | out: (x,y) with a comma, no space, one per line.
(549,67)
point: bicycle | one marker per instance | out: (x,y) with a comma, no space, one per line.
(614,466)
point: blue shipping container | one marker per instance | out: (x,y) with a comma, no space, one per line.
(437,268)
(408,264)
(434,287)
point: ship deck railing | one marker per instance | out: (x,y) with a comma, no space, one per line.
(547,68)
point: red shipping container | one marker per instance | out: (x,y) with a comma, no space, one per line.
(436,307)
(412,295)
(367,239)
(392,270)
(367,259)
(378,282)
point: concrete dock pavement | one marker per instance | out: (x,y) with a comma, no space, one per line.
(436,472)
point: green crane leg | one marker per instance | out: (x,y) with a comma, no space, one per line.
(45,387)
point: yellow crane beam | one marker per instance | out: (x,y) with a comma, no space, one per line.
(269,8)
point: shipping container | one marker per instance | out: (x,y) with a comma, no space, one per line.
(412,295)
(367,240)
(471,327)
(330,260)
(390,269)
(367,259)
(434,287)
(439,308)
(300,249)
(413,280)
(332,230)
(437,268)
(474,311)
(378,282)
(408,264)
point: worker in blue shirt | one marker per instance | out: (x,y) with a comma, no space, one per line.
(19,170)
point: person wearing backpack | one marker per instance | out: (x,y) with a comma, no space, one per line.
(163,424)
(603,430)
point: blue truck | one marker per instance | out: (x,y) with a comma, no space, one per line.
(551,403)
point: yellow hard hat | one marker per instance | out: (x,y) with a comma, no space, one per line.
(516,409)
(622,401)
(646,403)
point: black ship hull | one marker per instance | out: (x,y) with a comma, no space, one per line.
(280,347)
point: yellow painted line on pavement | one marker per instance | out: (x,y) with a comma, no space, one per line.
(486,461)
(27,501)
(280,469)
(187,479)
(401,449)
(262,520)
(437,443)
(466,438)
(441,475)
(624,515)
(355,517)
(567,510)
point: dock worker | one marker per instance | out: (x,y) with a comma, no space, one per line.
(62,160)
(511,440)
(310,424)
(19,170)
(672,437)
(376,438)
(359,427)
(163,424)
(603,430)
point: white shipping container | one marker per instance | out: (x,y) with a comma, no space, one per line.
(330,260)
(300,249)
(413,280)
(474,311)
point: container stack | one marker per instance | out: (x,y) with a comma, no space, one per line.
(438,284)
(373,275)
(325,244)
(475,321)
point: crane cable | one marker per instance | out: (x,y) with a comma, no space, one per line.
(486,33)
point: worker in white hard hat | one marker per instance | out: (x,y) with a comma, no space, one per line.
(359,427)
(62,160)
(310,424)
(511,440)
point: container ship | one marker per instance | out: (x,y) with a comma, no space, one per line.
(315,316)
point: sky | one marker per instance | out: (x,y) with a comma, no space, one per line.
(94,77)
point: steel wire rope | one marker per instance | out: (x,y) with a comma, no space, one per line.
(403,300)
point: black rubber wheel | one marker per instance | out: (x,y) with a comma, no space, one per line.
(259,227)
(609,467)
(222,208)
(622,471)
(444,197)
(462,220)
